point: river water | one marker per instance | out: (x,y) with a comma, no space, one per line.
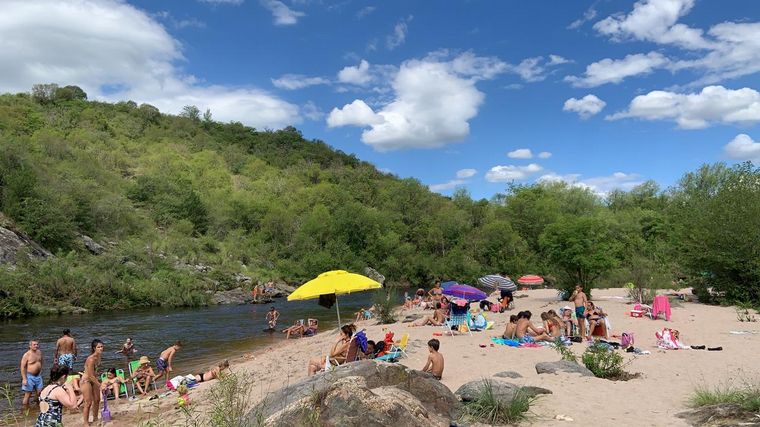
(209,334)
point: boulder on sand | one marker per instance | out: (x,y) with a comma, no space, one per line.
(501,390)
(364,393)
(562,366)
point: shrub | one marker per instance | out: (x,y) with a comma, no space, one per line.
(746,396)
(564,351)
(489,409)
(385,305)
(231,401)
(603,362)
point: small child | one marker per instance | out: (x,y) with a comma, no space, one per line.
(567,320)
(434,363)
(164,361)
(112,384)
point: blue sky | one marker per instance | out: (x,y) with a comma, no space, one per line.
(472,94)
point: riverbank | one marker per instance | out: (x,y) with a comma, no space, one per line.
(667,380)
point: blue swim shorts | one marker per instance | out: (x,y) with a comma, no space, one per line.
(579,311)
(33,382)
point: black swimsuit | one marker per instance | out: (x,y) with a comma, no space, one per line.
(53,416)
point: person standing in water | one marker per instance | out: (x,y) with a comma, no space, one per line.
(90,384)
(272,316)
(31,367)
(66,350)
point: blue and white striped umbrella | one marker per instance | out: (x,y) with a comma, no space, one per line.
(498,282)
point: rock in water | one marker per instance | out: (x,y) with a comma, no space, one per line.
(562,366)
(12,242)
(364,393)
(234,296)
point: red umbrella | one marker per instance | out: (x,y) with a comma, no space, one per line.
(530,279)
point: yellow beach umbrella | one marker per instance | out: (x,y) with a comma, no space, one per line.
(334,282)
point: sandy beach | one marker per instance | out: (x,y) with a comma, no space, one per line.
(667,377)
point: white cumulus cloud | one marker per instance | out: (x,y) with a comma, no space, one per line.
(742,147)
(433,100)
(656,21)
(601,185)
(586,107)
(115,51)
(511,172)
(615,70)
(466,173)
(714,104)
(282,14)
(536,69)
(588,15)
(298,81)
(544,155)
(356,75)
(357,113)
(520,153)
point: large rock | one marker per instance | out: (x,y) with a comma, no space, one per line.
(387,388)
(501,390)
(94,247)
(374,275)
(350,402)
(562,366)
(14,243)
(234,296)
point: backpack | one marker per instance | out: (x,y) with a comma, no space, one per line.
(626,340)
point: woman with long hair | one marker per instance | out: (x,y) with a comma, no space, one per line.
(90,384)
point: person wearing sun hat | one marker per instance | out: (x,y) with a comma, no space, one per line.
(143,375)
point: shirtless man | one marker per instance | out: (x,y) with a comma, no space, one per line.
(579,299)
(90,384)
(526,332)
(436,319)
(434,363)
(509,332)
(66,350)
(164,361)
(31,381)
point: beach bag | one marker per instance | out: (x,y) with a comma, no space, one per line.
(495,307)
(626,340)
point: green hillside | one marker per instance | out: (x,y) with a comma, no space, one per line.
(165,193)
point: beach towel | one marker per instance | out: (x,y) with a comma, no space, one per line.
(661,304)
(503,341)
(668,340)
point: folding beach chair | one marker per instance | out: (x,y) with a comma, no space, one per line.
(122,387)
(133,365)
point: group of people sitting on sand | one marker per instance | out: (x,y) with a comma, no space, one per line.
(302,329)
(429,299)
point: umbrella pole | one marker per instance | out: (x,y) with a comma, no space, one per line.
(337,307)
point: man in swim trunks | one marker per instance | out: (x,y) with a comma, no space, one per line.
(579,299)
(66,350)
(31,381)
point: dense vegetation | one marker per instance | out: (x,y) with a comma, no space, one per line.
(164,193)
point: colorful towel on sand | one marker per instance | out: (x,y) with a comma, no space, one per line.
(503,341)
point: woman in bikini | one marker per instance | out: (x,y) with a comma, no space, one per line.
(338,352)
(435,293)
(552,327)
(54,397)
(436,319)
(595,317)
(212,373)
(90,384)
